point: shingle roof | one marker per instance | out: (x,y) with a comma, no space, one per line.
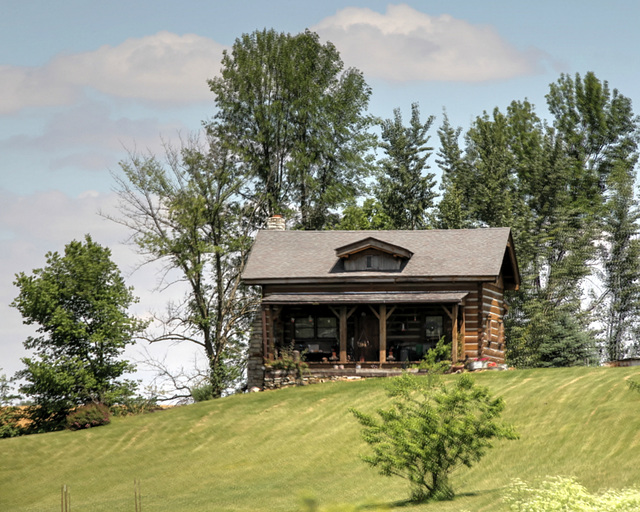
(298,255)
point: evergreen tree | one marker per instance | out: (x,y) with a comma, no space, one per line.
(452,210)
(405,188)
(553,186)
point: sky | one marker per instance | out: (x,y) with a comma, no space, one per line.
(84,83)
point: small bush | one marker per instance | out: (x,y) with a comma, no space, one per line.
(12,421)
(87,416)
(290,364)
(561,494)
(202,393)
(133,406)
(438,359)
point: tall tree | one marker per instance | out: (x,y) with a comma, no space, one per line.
(191,215)
(79,302)
(551,184)
(619,304)
(405,188)
(599,133)
(295,117)
(452,211)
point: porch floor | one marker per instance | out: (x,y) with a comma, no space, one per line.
(362,369)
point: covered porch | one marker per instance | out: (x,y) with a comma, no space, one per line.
(362,330)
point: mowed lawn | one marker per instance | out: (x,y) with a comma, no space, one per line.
(266,451)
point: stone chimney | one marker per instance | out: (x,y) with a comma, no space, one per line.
(277,223)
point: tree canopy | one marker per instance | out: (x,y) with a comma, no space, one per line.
(79,302)
(566,190)
(295,119)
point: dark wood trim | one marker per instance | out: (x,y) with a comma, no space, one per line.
(343,334)
(454,335)
(265,344)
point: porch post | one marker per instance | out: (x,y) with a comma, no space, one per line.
(454,335)
(265,341)
(464,330)
(383,332)
(343,334)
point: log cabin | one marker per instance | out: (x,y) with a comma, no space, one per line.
(353,300)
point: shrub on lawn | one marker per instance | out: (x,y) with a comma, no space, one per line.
(87,416)
(430,430)
(202,393)
(133,406)
(12,421)
(561,493)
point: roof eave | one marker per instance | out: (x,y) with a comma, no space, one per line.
(341,279)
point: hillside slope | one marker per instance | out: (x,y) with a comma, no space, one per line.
(264,451)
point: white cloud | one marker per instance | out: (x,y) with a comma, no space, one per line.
(165,68)
(90,136)
(404,44)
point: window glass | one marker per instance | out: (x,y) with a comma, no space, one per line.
(303,328)
(327,327)
(433,327)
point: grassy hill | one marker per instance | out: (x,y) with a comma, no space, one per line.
(264,451)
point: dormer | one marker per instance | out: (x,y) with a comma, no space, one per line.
(371,254)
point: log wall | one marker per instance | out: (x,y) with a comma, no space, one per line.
(481,318)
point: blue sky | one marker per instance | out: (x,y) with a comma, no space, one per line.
(82,82)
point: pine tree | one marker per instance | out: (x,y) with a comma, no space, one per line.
(405,188)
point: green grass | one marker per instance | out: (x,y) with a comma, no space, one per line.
(264,451)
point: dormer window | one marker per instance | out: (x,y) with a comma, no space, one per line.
(371,254)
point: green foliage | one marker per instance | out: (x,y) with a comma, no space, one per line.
(189,213)
(453,209)
(405,189)
(437,359)
(566,191)
(550,337)
(292,114)
(133,406)
(79,302)
(202,393)
(88,416)
(559,494)
(431,430)
(292,365)
(634,385)
(11,416)
(369,215)
(618,307)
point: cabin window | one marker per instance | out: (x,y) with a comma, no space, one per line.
(433,328)
(327,327)
(316,336)
(303,328)
(372,260)
(310,327)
